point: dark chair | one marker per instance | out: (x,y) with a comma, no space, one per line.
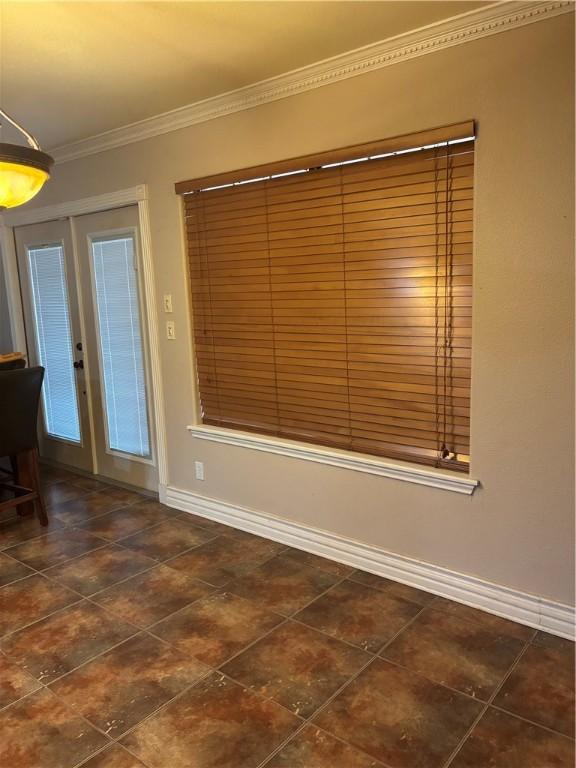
(12,361)
(19,400)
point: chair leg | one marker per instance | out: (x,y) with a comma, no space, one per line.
(25,477)
(39,503)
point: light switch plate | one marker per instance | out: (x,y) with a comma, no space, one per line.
(170,329)
(167,302)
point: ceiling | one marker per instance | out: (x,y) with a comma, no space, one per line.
(70,70)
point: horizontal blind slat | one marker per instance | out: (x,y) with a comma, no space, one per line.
(320,302)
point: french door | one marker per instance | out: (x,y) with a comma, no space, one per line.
(82,296)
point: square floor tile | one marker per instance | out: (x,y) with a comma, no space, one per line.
(546,640)
(113,757)
(460,654)
(118,689)
(503,741)
(399,717)
(14,682)
(18,529)
(282,585)
(124,495)
(58,644)
(88,483)
(313,748)
(86,507)
(55,548)
(239,535)
(359,615)
(167,539)
(394,588)
(314,561)
(488,620)
(215,628)
(59,492)
(297,667)
(149,502)
(145,599)
(124,522)
(100,569)
(40,732)
(50,475)
(11,570)
(205,523)
(541,688)
(216,724)
(29,600)
(219,561)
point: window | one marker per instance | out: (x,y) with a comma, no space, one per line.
(332,297)
(54,341)
(120,340)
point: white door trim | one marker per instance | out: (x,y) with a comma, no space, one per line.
(137,195)
(12,283)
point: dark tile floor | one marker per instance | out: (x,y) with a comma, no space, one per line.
(136,636)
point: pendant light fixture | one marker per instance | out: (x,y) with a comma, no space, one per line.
(23,169)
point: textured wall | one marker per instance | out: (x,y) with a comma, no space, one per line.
(517,530)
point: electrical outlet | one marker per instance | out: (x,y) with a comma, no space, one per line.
(170,329)
(199,470)
(167,302)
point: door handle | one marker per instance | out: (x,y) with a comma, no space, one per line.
(79,364)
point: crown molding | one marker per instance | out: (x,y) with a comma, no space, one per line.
(464,28)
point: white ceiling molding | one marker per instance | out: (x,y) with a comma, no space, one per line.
(473,25)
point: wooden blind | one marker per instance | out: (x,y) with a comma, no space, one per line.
(332,305)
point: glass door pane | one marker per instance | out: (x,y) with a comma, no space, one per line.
(51,313)
(120,344)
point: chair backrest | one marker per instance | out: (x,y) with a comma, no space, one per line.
(12,365)
(19,399)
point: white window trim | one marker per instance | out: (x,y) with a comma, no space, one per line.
(434,478)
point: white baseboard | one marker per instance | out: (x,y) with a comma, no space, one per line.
(522,607)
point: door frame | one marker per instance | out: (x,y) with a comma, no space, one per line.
(137,195)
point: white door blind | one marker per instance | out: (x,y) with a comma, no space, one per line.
(54,341)
(120,341)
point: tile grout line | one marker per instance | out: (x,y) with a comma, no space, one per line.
(44,573)
(105,543)
(64,525)
(283,620)
(310,719)
(147,631)
(486,706)
(139,631)
(531,722)
(103,749)
(217,589)
(377,655)
(218,670)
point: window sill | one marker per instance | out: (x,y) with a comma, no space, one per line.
(443,480)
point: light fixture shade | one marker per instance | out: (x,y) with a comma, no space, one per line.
(23,171)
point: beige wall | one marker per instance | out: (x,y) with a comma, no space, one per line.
(517,529)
